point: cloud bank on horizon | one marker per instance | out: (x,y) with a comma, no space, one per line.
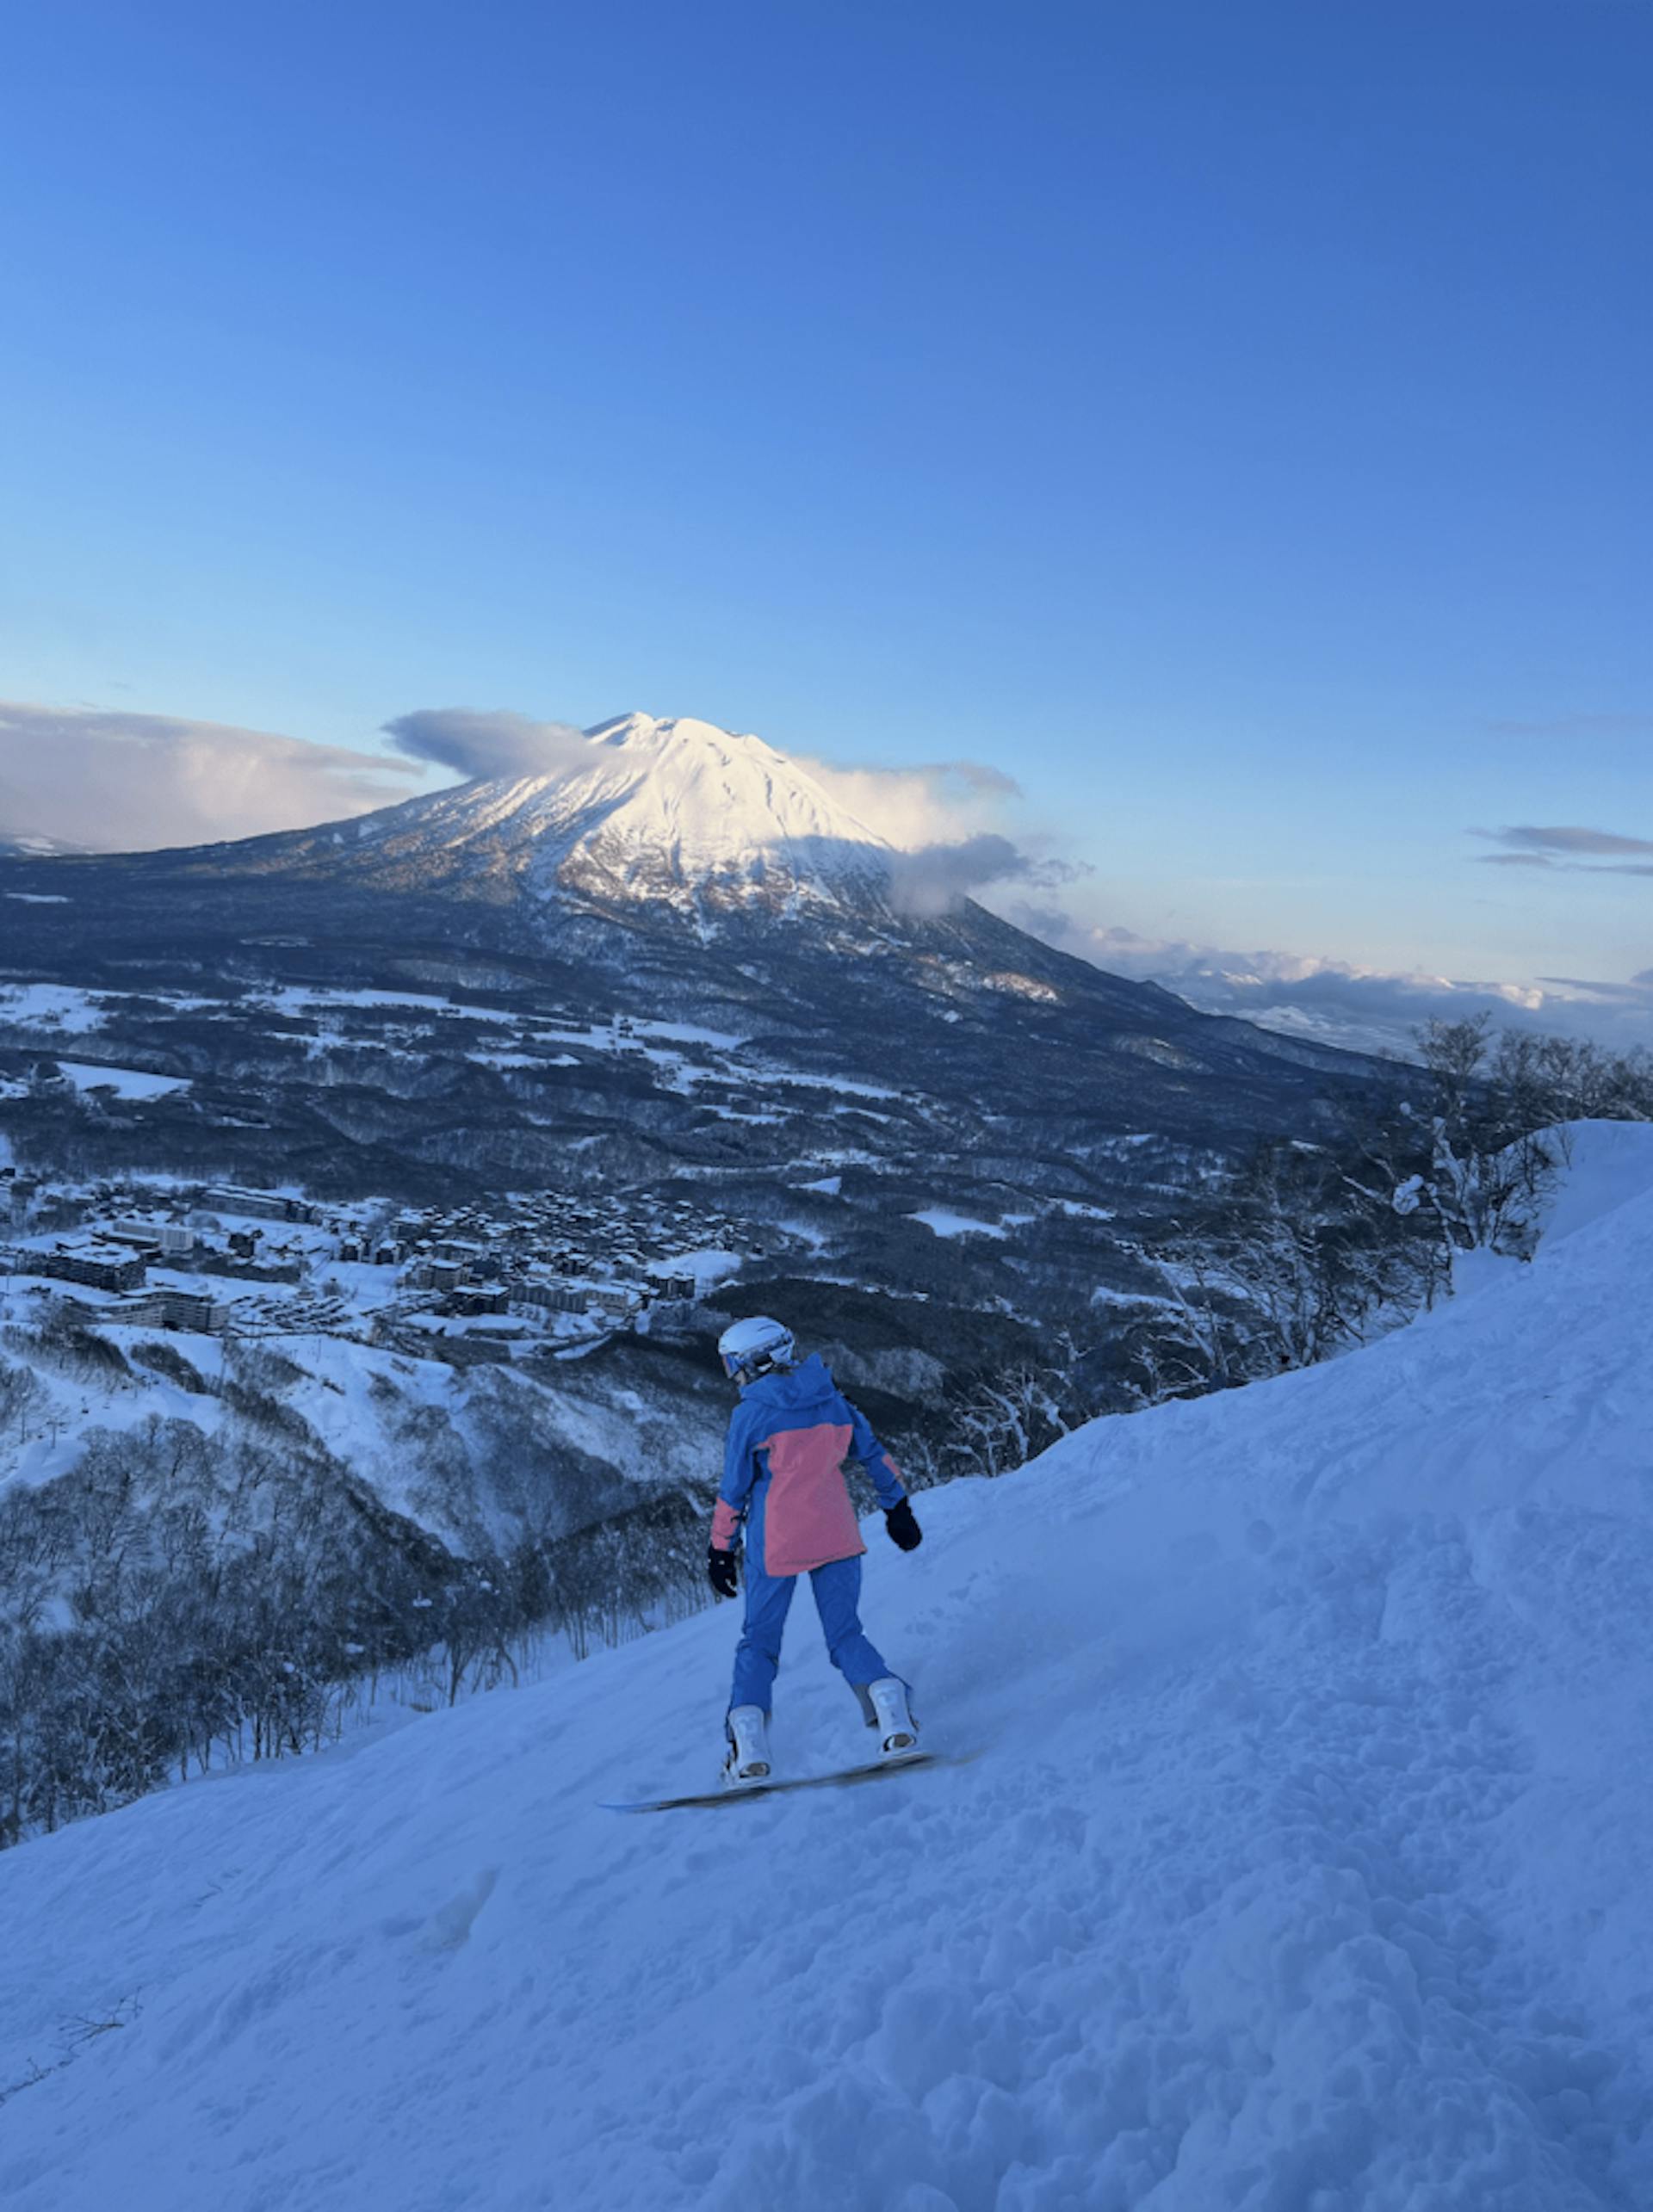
(128,782)
(1335,1002)
(112,780)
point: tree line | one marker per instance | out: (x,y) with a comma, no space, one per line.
(1311,1248)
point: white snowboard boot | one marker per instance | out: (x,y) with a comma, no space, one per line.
(748,1729)
(898,1732)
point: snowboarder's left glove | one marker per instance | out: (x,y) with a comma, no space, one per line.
(903,1529)
(720,1573)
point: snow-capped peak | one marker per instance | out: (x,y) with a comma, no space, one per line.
(650,807)
(724,808)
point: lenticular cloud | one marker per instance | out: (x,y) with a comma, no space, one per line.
(488,746)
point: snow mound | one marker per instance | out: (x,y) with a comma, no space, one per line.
(1303,1868)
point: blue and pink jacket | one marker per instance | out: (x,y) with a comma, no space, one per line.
(783,1467)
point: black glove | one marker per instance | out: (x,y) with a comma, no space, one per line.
(720,1572)
(903,1529)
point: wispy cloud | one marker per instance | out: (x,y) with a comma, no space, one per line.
(1567,842)
(935,878)
(1636,992)
(957,827)
(936,802)
(120,781)
(1571,850)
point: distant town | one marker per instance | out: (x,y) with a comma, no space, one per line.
(219,1259)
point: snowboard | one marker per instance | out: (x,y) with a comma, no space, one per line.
(846,1778)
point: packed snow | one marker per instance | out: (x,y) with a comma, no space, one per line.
(1296,1861)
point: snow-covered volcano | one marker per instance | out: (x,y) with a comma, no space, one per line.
(671,810)
(688,874)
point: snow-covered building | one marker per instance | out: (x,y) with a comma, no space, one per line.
(150,1234)
(259,1205)
(98,1266)
(196,1311)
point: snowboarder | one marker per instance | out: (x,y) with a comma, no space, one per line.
(782,1472)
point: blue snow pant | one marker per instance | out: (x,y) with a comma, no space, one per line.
(769,1597)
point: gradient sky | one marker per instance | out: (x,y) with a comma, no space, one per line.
(1229,419)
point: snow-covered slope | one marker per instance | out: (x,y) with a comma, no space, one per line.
(1302,1868)
(681,805)
(28,845)
(1603,1164)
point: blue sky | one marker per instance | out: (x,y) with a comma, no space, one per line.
(1229,420)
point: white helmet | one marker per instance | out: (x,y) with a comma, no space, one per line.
(749,1347)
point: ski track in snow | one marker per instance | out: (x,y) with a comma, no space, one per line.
(1304,1869)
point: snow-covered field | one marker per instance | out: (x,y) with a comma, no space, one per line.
(1302,1867)
(301,999)
(52,1006)
(124,1082)
(946,1223)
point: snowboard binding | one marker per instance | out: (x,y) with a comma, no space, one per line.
(898,1732)
(748,1762)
